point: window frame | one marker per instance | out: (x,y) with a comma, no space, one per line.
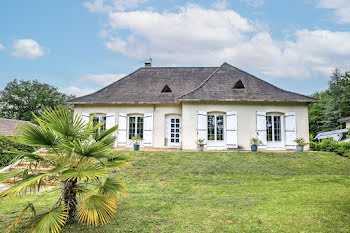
(272,135)
(136,126)
(215,128)
(101,118)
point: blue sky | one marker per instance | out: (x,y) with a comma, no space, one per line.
(81,46)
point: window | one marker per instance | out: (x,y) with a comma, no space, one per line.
(99,119)
(215,127)
(166,89)
(135,126)
(273,128)
(239,85)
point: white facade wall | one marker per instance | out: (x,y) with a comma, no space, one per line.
(246,118)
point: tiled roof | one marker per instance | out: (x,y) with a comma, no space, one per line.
(8,126)
(189,84)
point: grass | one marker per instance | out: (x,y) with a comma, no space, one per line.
(223,192)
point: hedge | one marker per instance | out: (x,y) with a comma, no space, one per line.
(330,145)
(10,144)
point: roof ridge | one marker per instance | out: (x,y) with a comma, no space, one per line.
(175,67)
(270,83)
(218,68)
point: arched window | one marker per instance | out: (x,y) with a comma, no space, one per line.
(99,118)
(135,126)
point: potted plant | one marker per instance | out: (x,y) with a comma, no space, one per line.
(254,143)
(136,140)
(200,144)
(300,144)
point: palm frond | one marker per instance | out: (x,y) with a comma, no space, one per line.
(51,221)
(83,174)
(62,120)
(10,174)
(117,161)
(35,135)
(32,213)
(97,209)
(113,186)
(90,149)
(107,136)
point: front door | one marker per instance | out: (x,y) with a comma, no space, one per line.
(216,130)
(175,131)
(274,129)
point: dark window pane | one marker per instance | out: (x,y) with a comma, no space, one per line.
(269,128)
(172,120)
(277,128)
(177,120)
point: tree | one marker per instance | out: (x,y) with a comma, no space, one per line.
(334,104)
(80,159)
(20,98)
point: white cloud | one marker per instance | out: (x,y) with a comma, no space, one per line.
(27,48)
(100,79)
(112,5)
(2,47)
(72,90)
(180,38)
(254,3)
(341,8)
(220,4)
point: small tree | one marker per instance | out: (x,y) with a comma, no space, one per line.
(81,161)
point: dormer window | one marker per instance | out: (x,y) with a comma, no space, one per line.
(239,85)
(166,89)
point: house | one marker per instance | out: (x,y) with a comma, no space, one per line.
(173,107)
(8,126)
(345,120)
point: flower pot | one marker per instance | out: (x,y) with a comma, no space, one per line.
(136,147)
(254,148)
(200,148)
(300,148)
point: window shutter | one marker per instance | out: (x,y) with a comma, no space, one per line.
(85,117)
(290,130)
(122,129)
(231,130)
(110,120)
(261,128)
(202,126)
(148,129)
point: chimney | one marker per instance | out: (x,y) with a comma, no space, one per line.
(148,63)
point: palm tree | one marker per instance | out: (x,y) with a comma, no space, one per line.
(80,161)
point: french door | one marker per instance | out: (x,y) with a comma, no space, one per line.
(274,129)
(216,130)
(175,131)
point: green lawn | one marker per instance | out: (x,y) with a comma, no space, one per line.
(224,192)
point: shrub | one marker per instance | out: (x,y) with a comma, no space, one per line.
(330,145)
(10,144)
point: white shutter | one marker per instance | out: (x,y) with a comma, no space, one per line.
(261,128)
(85,117)
(202,126)
(110,120)
(148,129)
(231,130)
(167,131)
(290,130)
(122,129)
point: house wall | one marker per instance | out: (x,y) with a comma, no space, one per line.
(246,119)
(158,115)
(347,125)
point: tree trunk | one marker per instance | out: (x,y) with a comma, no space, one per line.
(70,199)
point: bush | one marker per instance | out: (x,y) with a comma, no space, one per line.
(10,144)
(330,145)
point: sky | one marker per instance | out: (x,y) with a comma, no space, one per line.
(81,46)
